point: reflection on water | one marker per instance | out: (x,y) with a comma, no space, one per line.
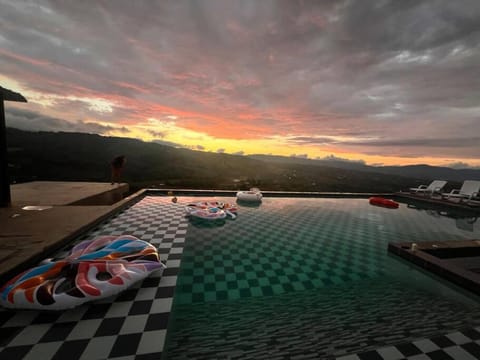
(205,224)
(250,204)
(464,219)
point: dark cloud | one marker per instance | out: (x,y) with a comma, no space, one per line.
(241,152)
(301,156)
(28,120)
(400,71)
(169,143)
(337,158)
(462,165)
(220,151)
(312,140)
(454,142)
(462,147)
(408,24)
(159,134)
(425,142)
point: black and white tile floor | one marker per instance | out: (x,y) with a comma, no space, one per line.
(459,345)
(132,325)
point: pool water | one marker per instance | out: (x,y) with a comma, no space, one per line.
(312,277)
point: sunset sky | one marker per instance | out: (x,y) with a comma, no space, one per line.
(384,82)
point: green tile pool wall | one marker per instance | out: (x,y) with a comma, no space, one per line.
(288,245)
(311,278)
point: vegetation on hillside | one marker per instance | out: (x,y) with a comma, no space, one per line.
(86,157)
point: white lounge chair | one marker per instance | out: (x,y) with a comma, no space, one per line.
(469,191)
(435,187)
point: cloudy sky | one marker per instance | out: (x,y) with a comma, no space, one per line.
(386,82)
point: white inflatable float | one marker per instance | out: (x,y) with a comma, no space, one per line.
(253,195)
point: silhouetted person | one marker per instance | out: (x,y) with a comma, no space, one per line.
(117,167)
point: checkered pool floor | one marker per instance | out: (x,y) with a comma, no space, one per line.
(261,256)
(219,269)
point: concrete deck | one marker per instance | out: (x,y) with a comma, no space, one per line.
(67,193)
(27,236)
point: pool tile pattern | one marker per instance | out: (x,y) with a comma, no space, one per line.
(262,256)
(282,247)
(131,325)
(459,345)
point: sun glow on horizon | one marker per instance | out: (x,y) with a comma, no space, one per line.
(275,145)
(168,129)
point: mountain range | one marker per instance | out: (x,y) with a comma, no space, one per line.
(65,156)
(420,171)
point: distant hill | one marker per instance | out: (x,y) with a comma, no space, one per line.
(425,172)
(86,157)
(340,164)
(431,172)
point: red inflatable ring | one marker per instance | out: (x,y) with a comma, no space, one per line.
(379,201)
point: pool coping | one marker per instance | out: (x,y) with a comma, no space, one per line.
(470,206)
(445,268)
(265,193)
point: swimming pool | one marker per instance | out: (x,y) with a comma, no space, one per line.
(291,278)
(312,277)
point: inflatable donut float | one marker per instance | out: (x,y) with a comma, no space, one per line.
(380,201)
(211,210)
(253,195)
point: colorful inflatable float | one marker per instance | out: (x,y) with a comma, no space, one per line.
(253,195)
(380,201)
(211,210)
(95,269)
